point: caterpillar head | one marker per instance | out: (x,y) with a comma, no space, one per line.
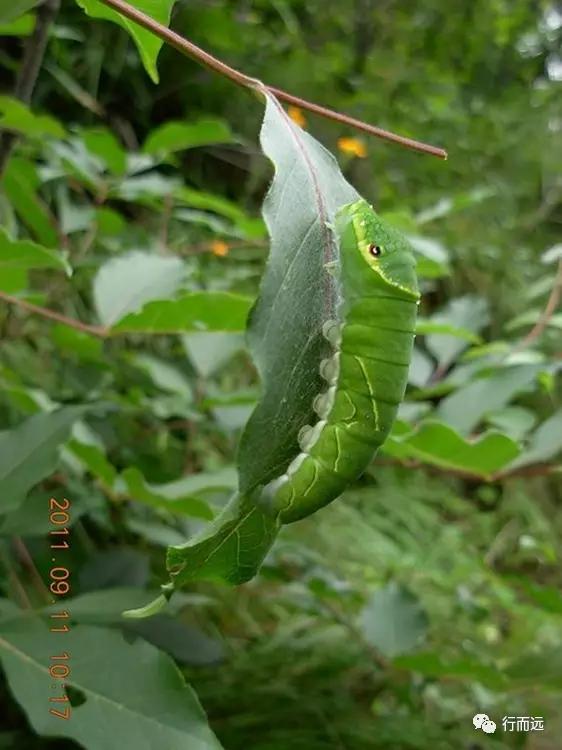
(383,249)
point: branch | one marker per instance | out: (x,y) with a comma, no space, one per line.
(29,70)
(241,79)
(549,310)
(52,315)
(28,563)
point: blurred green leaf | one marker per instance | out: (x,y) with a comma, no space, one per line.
(469,314)
(537,668)
(425,327)
(148,188)
(77,343)
(515,421)
(164,375)
(17,117)
(394,621)
(249,226)
(433,664)
(545,443)
(22,26)
(102,143)
(210,351)
(553,254)
(30,519)
(21,184)
(186,643)
(154,532)
(143,492)
(125,284)
(24,254)
(148,44)
(421,368)
(14,280)
(10,9)
(115,566)
(197,485)
(437,443)
(29,452)
(193,311)
(548,598)
(102,607)
(133,688)
(94,460)
(464,409)
(178,136)
(530,317)
(431,256)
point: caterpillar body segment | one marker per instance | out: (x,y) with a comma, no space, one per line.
(367,373)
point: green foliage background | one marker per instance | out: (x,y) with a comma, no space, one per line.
(431,590)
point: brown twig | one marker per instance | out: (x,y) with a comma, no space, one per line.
(34,575)
(29,70)
(19,591)
(166,216)
(52,315)
(549,310)
(241,79)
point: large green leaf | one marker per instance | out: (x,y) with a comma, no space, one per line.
(148,44)
(208,352)
(135,692)
(545,443)
(297,295)
(538,668)
(466,313)
(177,136)
(20,26)
(16,116)
(21,183)
(141,491)
(246,225)
(10,9)
(438,444)
(126,283)
(23,254)
(231,549)
(394,620)
(434,664)
(193,311)
(464,409)
(29,453)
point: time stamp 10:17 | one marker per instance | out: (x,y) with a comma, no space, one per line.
(59,586)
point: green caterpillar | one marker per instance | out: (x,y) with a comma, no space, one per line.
(367,373)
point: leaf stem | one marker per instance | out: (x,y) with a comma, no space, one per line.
(29,70)
(18,589)
(546,315)
(52,315)
(241,79)
(27,561)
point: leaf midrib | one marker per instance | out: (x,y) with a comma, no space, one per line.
(88,691)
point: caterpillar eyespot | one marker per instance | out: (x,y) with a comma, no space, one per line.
(365,384)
